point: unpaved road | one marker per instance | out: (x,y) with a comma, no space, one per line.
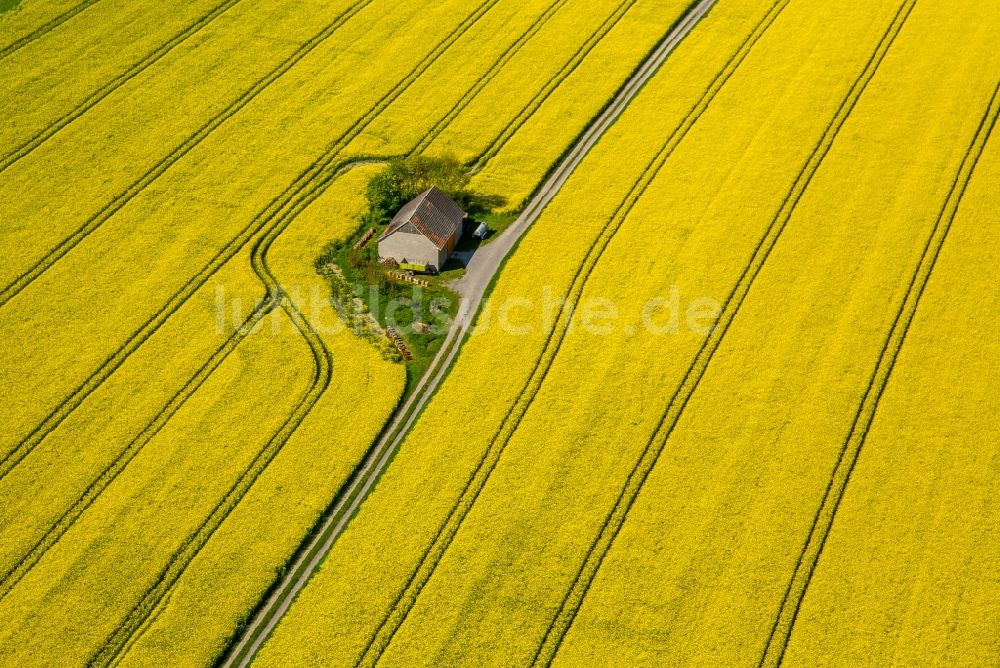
(472,287)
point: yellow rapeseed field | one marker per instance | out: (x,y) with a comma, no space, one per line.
(173,448)
(795,199)
(337,614)
(22,23)
(744,471)
(909,569)
(730,401)
(102,48)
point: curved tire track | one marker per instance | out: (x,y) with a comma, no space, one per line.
(318,174)
(10,579)
(119,201)
(476,282)
(193,544)
(407,598)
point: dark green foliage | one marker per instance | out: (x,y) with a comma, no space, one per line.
(406,178)
(329,253)
(356,259)
(389,301)
(375,277)
(385,194)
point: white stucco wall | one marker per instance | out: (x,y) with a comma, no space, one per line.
(414,248)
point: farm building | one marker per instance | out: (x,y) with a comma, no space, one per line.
(424,232)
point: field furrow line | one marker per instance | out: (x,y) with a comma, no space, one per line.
(180,560)
(536,102)
(271,216)
(498,65)
(805,566)
(43,30)
(615,519)
(114,84)
(152,600)
(121,199)
(150,621)
(433,554)
(10,579)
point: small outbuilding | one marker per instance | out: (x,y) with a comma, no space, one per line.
(425,232)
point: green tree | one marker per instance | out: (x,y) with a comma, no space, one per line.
(404,179)
(385,194)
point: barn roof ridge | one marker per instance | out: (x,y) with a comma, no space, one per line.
(434,214)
